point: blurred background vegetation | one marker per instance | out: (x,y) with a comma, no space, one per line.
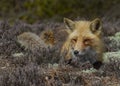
(36,10)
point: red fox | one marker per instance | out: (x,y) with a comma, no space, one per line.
(84,40)
(32,41)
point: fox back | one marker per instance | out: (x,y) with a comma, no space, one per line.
(33,42)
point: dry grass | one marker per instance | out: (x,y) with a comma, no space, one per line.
(20,67)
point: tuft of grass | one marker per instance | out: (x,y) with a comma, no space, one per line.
(111,55)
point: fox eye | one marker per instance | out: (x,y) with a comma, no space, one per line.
(74,40)
(86,41)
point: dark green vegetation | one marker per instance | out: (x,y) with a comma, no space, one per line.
(37,10)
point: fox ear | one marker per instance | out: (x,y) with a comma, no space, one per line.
(69,24)
(96,26)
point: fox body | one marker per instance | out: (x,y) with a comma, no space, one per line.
(48,37)
(31,41)
(84,40)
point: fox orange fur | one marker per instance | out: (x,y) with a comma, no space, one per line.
(48,37)
(83,36)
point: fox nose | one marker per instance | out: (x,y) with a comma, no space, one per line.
(76,52)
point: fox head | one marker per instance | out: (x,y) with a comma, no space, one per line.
(84,37)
